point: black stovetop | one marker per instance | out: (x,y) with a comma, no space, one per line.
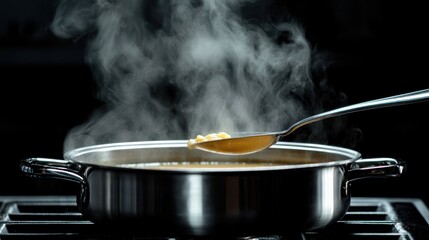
(57,217)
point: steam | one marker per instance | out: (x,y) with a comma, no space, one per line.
(174,69)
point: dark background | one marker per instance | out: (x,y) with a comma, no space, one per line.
(375,49)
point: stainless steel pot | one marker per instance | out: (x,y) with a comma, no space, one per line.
(308,190)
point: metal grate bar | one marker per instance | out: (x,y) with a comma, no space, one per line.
(47,208)
(46,217)
(357,236)
(365,216)
(365,227)
(364,208)
(48,228)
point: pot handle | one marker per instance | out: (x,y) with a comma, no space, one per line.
(375,167)
(53,168)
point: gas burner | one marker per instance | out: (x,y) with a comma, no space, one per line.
(53,217)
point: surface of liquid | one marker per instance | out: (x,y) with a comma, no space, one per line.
(200,165)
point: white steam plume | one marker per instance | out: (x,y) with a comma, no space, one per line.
(173,69)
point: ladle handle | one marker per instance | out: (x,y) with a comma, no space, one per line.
(406,98)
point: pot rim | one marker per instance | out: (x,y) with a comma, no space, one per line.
(348,154)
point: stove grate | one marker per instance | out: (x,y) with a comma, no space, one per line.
(44,217)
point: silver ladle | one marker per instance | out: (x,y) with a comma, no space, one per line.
(246,143)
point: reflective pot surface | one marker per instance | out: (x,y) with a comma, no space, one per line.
(306,189)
